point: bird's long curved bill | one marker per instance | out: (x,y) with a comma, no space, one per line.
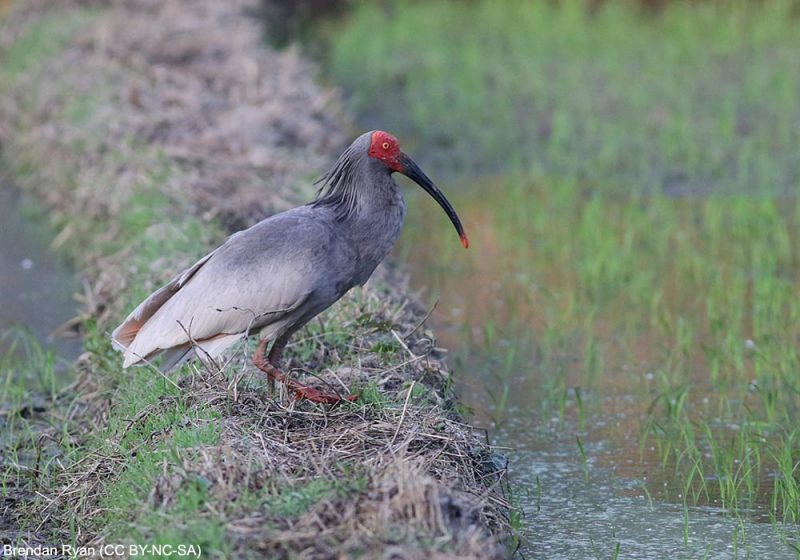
(413,172)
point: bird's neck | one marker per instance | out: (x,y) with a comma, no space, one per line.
(367,206)
(377,221)
(380,214)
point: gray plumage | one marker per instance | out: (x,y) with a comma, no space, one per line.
(275,276)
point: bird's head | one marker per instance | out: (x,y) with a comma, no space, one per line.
(385,148)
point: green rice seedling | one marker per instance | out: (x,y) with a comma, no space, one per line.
(685,524)
(786,493)
(584,459)
(581,410)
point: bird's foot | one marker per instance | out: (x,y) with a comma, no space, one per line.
(314,395)
(300,391)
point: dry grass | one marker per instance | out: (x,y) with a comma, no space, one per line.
(398,474)
(157,124)
(401,475)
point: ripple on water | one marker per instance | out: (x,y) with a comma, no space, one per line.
(568,517)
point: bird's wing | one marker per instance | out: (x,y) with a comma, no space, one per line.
(124,334)
(242,285)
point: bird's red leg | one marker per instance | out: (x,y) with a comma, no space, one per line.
(269,365)
(261,361)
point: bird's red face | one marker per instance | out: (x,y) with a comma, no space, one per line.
(385,148)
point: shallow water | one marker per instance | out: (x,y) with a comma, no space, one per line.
(569,516)
(581,511)
(36,288)
(621,494)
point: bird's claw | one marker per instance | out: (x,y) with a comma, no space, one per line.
(314,395)
(300,391)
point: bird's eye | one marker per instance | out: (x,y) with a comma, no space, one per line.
(386,145)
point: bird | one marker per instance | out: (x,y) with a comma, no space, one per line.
(275,276)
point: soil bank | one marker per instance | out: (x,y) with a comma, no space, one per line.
(148,131)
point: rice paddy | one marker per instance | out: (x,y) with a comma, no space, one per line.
(629,183)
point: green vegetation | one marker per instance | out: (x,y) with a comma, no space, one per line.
(699,98)
(293,502)
(43,39)
(26,367)
(629,183)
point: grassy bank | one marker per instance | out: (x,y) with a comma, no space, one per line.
(143,145)
(631,183)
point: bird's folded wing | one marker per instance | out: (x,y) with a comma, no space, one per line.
(124,334)
(225,293)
